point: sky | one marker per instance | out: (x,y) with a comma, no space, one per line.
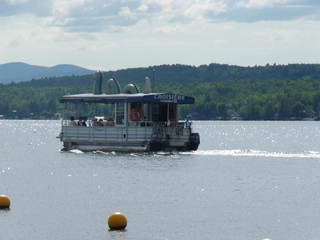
(120,34)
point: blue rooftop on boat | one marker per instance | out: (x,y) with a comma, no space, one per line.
(137,97)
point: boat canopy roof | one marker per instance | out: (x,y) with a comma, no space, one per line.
(121,98)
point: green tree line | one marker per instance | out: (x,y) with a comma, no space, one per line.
(271,92)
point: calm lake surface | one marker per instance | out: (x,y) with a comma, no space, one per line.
(247,181)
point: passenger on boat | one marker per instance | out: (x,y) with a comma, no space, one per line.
(110,122)
(95,122)
(84,122)
(72,122)
(101,122)
(80,121)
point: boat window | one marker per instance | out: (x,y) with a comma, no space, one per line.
(163,116)
(135,105)
(172,112)
(155,112)
(146,112)
(120,111)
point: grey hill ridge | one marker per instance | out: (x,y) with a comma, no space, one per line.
(21,72)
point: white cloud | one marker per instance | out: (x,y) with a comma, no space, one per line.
(219,41)
(126,12)
(169,29)
(69,9)
(98,15)
(13,2)
(115,32)
(261,3)
(200,8)
(143,8)
(58,22)
(271,35)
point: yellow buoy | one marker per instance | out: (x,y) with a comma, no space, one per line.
(117,221)
(4,202)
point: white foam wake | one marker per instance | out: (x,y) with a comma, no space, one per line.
(255,153)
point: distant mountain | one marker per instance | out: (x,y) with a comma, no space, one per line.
(21,72)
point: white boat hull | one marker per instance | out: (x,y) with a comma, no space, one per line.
(106,148)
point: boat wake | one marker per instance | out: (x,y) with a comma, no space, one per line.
(235,153)
(255,153)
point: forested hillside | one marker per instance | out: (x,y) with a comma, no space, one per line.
(271,92)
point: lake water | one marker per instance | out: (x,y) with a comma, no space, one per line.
(247,181)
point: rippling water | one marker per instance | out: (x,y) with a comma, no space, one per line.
(248,180)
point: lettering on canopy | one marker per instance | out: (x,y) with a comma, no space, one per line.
(169,98)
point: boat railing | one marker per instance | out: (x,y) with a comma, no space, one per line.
(176,131)
(110,123)
(107,132)
(134,131)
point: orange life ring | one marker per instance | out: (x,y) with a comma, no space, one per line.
(136,114)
